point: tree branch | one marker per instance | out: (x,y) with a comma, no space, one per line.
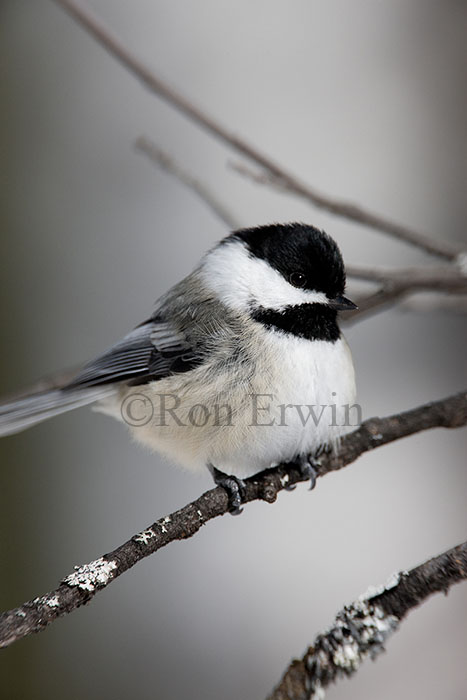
(80,586)
(277,173)
(361,629)
(284,182)
(374,302)
(435,302)
(396,284)
(445,278)
(167,163)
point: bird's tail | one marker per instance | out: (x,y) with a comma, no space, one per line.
(21,413)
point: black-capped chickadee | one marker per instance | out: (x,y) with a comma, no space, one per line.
(242,364)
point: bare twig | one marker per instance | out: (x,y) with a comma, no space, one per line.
(374,302)
(445,278)
(284,182)
(396,284)
(361,629)
(167,163)
(80,587)
(435,302)
(276,172)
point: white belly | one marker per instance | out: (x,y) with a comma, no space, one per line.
(305,405)
(294,402)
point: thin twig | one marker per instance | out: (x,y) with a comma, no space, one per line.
(372,303)
(362,628)
(397,284)
(80,586)
(284,182)
(167,163)
(112,43)
(446,278)
(435,302)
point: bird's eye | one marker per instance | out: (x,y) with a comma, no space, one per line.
(298,279)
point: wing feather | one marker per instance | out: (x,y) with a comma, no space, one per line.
(153,350)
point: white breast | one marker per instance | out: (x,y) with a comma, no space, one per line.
(292,403)
(307,398)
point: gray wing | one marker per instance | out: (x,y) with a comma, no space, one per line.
(153,350)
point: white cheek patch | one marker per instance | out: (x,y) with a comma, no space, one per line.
(239,280)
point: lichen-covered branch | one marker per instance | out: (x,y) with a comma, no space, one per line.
(274,172)
(362,628)
(82,584)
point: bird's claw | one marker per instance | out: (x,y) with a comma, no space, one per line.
(308,467)
(234,486)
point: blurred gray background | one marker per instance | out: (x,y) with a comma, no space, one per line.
(361,99)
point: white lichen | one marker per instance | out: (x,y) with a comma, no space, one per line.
(392,582)
(145,536)
(372,591)
(90,576)
(347,656)
(359,632)
(52,602)
(164,522)
(319,693)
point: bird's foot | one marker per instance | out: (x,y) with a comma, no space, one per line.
(308,467)
(322,450)
(234,486)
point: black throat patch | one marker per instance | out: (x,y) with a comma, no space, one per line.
(309,321)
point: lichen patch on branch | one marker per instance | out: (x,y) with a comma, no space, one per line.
(89,577)
(145,536)
(361,629)
(359,632)
(80,586)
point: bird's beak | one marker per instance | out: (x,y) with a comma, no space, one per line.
(341,303)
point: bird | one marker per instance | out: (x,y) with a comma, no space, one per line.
(241,366)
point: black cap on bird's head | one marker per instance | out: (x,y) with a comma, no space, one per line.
(305,256)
